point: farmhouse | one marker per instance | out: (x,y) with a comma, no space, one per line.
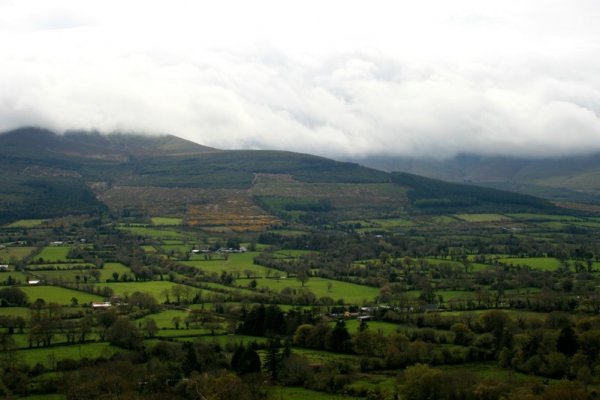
(3,267)
(33,282)
(101,304)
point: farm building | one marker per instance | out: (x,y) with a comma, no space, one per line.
(3,267)
(33,282)
(101,304)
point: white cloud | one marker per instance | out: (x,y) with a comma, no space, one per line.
(336,78)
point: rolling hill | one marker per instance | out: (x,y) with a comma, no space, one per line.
(45,175)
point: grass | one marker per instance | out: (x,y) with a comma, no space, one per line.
(540,263)
(166,221)
(164,319)
(54,253)
(322,356)
(59,295)
(154,288)
(299,393)
(26,223)
(236,263)
(47,356)
(231,339)
(350,292)
(155,233)
(20,277)
(483,217)
(7,253)
(45,397)
(110,268)
(387,328)
(15,311)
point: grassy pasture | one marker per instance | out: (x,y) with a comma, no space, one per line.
(26,223)
(47,355)
(70,274)
(544,217)
(110,268)
(387,328)
(15,311)
(483,217)
(16,275)
(149,249)
(300,393)
(164,319)
(186,333)
(236,263)
(182,248)
(166,221)
(443,219)
(290,253)
(54,253)
(231,339)
(322,356)
(540,263)
(156,233)
(7,253)
(154,288)
(59,295)
(61,267)
(45,397)
(350,292)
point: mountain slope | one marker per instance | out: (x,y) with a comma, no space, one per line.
(575,178)
(45,174)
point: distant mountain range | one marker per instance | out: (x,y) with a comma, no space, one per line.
(45,175)
(573,178)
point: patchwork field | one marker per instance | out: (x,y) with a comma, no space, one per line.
(351,293)
(59,295)
(26,223)
(166,221)
(50,355)
(54,253)
(238,264)
(483,217)
(7,253)
(154,288)
(540,263)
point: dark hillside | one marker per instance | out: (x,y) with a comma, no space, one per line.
(433,196)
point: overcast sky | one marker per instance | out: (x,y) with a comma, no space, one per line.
(336,78)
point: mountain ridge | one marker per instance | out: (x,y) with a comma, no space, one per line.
(117,173)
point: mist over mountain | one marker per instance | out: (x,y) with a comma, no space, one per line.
(571,178)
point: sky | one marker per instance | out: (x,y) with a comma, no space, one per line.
(338,78)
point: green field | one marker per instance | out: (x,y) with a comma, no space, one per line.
(350,292)
(47,356)
(181,248)
(236,263)
(19,276)
(7,253)
(26,223)
(54,253)
(387,328)
(109,268)
(15,311)
(166,221)
(155,233)
(68,274)
(154,288)
(298,393)
(482,217)
(540,263)
(164,319)
(59,295)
